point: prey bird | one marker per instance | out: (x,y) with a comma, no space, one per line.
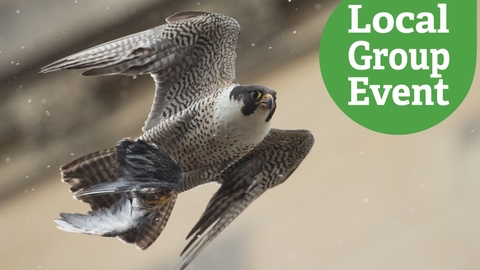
(216,129)
(145,178)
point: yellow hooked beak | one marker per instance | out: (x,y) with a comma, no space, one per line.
(267,101)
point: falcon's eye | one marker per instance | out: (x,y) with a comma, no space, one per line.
(255,94)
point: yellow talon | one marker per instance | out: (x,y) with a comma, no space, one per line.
(158,202)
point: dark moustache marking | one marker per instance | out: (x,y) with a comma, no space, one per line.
(241,92)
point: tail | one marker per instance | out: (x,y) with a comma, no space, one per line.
(91,170)
(98,168)
(152,226)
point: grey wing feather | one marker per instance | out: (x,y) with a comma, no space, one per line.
(120,186)
(190,46)
(182,15)
(120,218)
(266,166)
(198,243)
(121,56)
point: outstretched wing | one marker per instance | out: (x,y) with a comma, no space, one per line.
(268,165)
(189,57)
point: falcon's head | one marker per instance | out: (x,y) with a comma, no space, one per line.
(255,99)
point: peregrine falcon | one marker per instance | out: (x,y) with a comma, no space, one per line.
(214,128)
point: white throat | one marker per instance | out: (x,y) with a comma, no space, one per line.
(232,124)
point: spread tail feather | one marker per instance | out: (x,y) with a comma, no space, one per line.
(91,170)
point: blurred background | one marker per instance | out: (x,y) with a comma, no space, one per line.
(360,200)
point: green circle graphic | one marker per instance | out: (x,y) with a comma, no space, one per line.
(399,67)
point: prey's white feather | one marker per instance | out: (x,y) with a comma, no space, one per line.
(122,216)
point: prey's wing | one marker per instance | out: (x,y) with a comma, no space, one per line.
(120,218)
(133,224)
(140,166)
(268,165)
(189,57)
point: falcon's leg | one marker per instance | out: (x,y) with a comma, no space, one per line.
(160,201)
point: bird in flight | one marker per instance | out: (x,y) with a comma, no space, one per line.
(202,119)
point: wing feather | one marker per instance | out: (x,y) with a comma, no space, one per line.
(190,46)
(266,166)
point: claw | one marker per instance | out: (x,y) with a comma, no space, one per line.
(161,201)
